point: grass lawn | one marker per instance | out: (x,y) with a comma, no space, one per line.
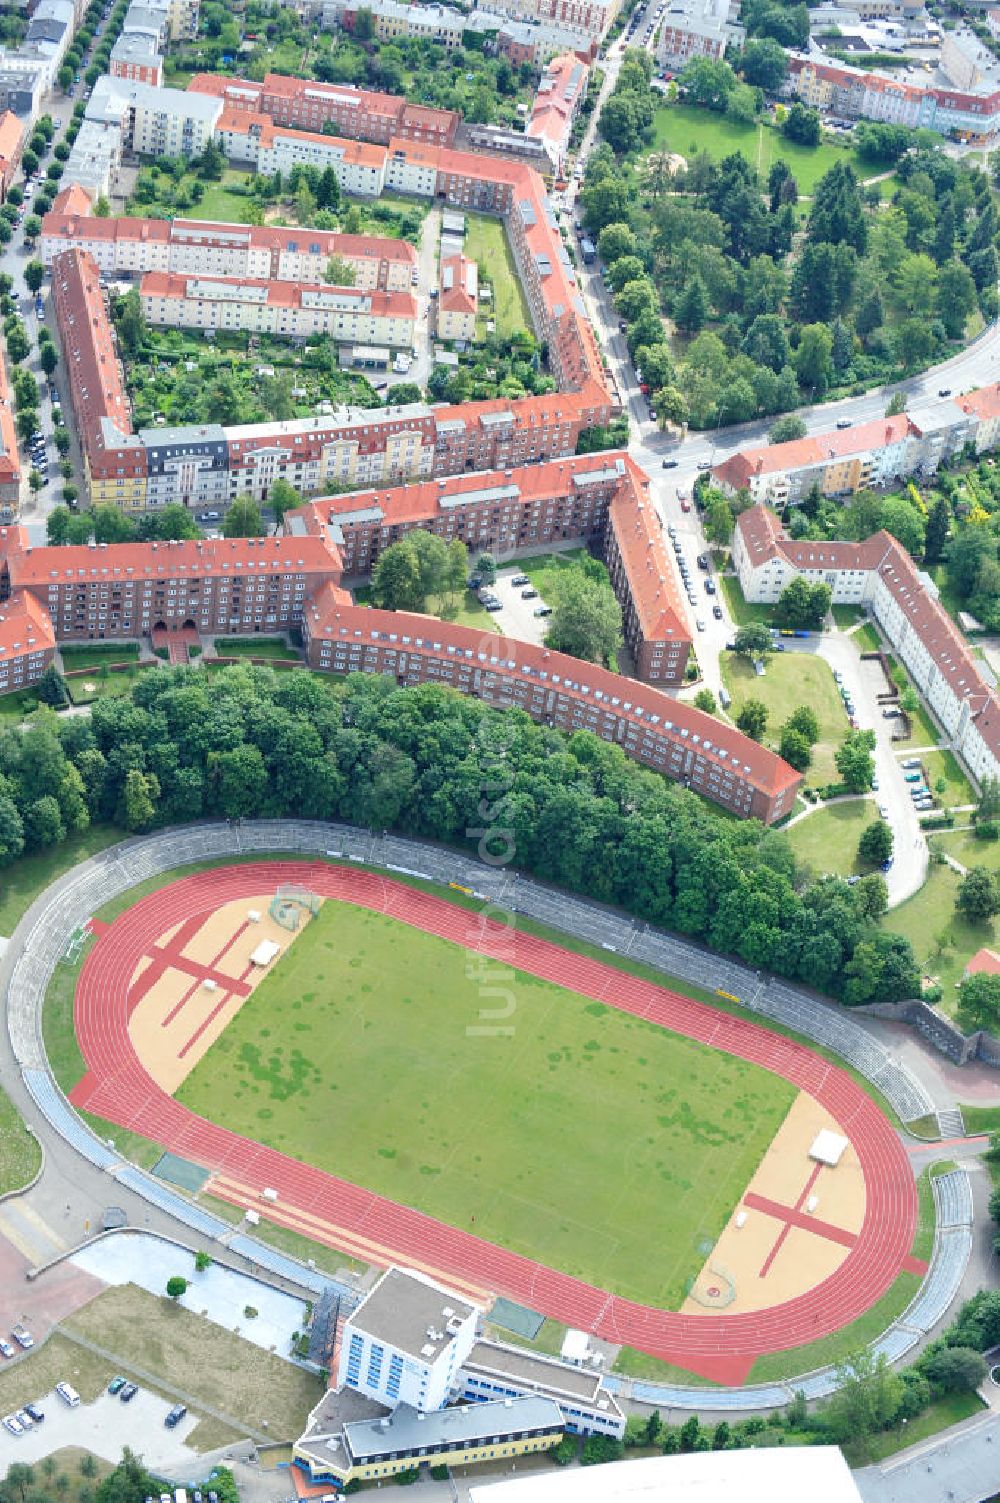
(685,129)
(548,1341)
(923,1242)
(194,1356)
(963,845)
(792,679)
(742,611)
(923,731)
(828,839)
(14,707)
(90,656)
(20,1154)
(838,1346)
(29,876)
(981,1118)
(545,570)
(486,244)
(958,789)
(83,691)
(942,940)
(866,638)
(542,1174)
(846,616)
(936,1417)
(467,611)
(255,647)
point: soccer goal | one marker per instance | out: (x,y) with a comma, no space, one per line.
(290,904)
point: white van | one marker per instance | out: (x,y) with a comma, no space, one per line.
(68,1395)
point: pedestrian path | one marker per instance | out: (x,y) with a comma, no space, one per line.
(25,1230)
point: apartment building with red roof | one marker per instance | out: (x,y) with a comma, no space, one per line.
(12,134)
(558,98)
(860,93)
(600,499)
(667,735)
(361,114)
(287,310)
(27,642)
(880,575)
(132,246)
(458,298)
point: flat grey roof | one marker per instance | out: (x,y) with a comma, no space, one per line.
(408,1430)
(472,498)
(360,514)
(524,1367)
(402,1307)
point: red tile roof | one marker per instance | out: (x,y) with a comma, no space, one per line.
(203,287)
(823,448)
(201,558)
(984,960)
(25,627)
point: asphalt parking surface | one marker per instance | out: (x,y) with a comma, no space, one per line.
(518,617)
(104,1427)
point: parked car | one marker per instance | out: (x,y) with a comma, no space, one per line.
(208,516)
(36,1411)
(24,1338)
(520,579)
(709,586)
(890,714)
(910,762)
(913,777)
(671,530)
(670,464)
(116,1385)
(543,610)
(12,1424)
(128,1392)
(700,624)
(492,605)
(944,391)
(702,560)
(843,422)
(717,611)
(704,464)
(24,1419)
(529,594)
(6,1349)
(68,1394)
(175,1416)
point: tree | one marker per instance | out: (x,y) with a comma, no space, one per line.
(340,273)
(32,228)
(813,364)
(616,241)
(282,497)
(691,307)
(202,1261)
(956,297)
(34,275)
(51,688)
(955,1369)
(395,581)
(765,64)
(176,1286)
(752,719)
(853,760)
(708,82)
(938,525)
(586,620)
(35,481)
(43,825)
(102,208)
(137,806)
(803,606)
(802,125)
(48,358)
(795,748)
(979,895)
(486,568)
(718,521)
(753,641)
(705,700)
(129,321)
(787,429)
(805,721)
(875,845)
(243,519)
(868,1398)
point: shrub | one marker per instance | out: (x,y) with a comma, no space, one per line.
(439,1473)
(566,1451)
(407,1478)
(990,830)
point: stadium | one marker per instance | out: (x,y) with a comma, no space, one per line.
(381,1067)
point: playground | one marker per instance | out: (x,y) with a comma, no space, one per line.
(600,1159)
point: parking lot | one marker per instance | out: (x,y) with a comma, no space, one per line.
(518,619)
(104,1427)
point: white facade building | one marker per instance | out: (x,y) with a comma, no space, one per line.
(406,1342)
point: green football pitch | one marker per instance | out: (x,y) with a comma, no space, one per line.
(589,1140)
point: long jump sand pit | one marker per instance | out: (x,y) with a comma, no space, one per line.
(774,1247)
(174,1016)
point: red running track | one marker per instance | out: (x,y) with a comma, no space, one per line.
(719,1346)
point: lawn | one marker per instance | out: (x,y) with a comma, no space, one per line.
(827,840)
(83,691)
(939,1415)
(20,1155)
(97,655)
(546,570)
(942,940)
(685,129)
(392,1016)
(217,201)
(486,244)
(964,847)
(792,679)
(942,764)
(255,647)
(846,616)
(14,707)
(30,875)
(191,1355)
(466,611)
(743,612)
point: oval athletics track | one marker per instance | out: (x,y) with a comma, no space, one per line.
(118,1088)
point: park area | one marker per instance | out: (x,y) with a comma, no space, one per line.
(827,839)
(597,1137)
(685,129)
(792,679)
(486,244)
(943,941)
